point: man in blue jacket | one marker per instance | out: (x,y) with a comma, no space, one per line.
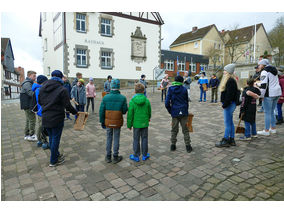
(177,105)
(213,84)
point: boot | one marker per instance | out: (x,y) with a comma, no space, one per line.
(232,142)
(173,147)
(223,143)
(188,148)
(279,121)
(108,159)
(117,159)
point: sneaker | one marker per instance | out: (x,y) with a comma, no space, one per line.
(26,137)
(108,159)
(200,100)
(39,144)
(272,131)
(204,101)
(232,142)
(223,143)
(254,136)
(60,161)
(137,159)
(117,159)
(45,145)
(212,101)
(173,147)
(263,132)
(260,111)
(244,138)
(145,157)
(215,101)
(188,148)
(279,122)
(32,138)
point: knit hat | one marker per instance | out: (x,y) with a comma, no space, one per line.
(81,80)
(57,73)
(91,79)
(41,78)
(115,84)
(230,68)
(179,79)
(264,62)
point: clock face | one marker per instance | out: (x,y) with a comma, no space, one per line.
(138,48)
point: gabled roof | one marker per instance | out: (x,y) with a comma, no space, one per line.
(4,44)
(243,34)
(190,36)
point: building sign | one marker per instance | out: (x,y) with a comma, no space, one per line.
(138,69)
(88,41)
(245,74)
(138,46)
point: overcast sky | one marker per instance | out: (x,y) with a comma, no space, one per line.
(23,29)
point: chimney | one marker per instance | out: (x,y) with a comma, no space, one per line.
(194,29)
(222,31)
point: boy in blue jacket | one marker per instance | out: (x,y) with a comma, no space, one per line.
(203,82)
(213,84)
(42,139)
(177,105)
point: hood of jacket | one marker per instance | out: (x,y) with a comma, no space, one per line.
(177,89)
(27,80)
(271,69)
(51,85)
(35,86)
(139,99)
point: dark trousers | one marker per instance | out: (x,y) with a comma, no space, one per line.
(113,134)
(88,103)
(143,134)
(80,108)
(40,133)
(164,93)
(214,92)
(279,109)
(30,122)
(175,126)
(54,141)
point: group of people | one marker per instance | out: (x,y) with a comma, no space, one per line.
(53,99)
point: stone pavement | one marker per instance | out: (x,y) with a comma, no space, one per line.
(208,173)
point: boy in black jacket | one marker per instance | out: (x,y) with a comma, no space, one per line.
(248,109)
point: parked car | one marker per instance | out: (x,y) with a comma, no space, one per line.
(197,76)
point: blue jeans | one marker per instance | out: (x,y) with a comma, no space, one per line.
(279,109)
(202,93)
(228,121)
(112,134)
(143,134)
(269,104)
(250,129)
(54,141)
(79,108)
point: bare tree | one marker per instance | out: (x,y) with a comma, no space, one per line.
(213,55)
(276,36)
(234,46)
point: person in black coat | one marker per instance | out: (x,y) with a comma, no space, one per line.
(248,110)
(54,99)
(229,98)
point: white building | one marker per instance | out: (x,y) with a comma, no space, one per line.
(124,45)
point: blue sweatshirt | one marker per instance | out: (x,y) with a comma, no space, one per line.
(203,81)
(35,89)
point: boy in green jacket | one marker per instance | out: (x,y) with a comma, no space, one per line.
(138,117)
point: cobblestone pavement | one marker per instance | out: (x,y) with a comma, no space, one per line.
(208,173)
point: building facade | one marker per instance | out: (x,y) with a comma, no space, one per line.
(10,84)
(179,62)
(97,44)
(204,41)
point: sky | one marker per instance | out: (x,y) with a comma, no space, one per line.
(23,29)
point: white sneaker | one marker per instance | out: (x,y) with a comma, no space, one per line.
(272,131)
(254,136)
(26,137)
(263,132)
(32,138)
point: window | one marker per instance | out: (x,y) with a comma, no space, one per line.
(203,67)
(7,91)
(181,66)
(215,46)
(195,44)
(80,22)
(81,58)
(193,67)
(7,75)
(220,46)
(45,44)
(106,60)
(169,65)
(105,27)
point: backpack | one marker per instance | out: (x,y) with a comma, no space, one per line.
(165,84)
(34,104)
(238,98)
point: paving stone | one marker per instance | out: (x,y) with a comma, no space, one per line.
(131,194)
(227,196)
(98,196)
(181,190)
(140,186)
(131,181)
(118,183)
(171,196)
(116,196)
(137,173)
(168,181)
(109,192)
(80,195)
(152,182)
(124,189)
(47,196)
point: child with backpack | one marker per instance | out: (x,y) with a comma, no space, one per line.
(248,109)
(138,117)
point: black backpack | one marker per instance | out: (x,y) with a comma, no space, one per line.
(238,98)
(34,104)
